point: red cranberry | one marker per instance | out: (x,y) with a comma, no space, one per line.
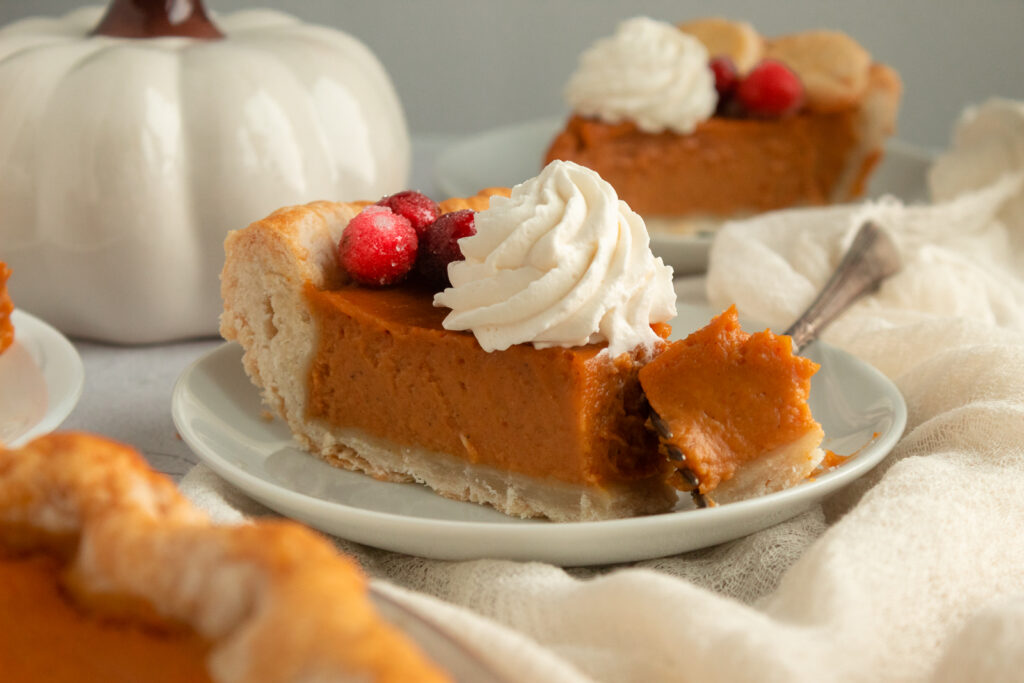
(378,247)
(771,89)
(441,244)
(726,76)
(420,209)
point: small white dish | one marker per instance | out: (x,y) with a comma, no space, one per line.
(41,380)
(218,413)
(506,156)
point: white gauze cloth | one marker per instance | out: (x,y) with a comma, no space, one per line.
(913,573)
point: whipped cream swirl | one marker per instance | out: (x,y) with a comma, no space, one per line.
(650,73)
(562,262)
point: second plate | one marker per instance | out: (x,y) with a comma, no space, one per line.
(41,380)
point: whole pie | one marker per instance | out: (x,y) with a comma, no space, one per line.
(6,308)
(375,379)
(108,574)
(729,162)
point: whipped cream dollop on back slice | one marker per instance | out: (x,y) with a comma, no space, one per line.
(648,72)
(561,262)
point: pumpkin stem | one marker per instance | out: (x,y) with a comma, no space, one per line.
(156,18)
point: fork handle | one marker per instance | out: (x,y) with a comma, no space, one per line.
(872,257)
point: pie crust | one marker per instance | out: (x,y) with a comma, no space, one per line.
(274,601)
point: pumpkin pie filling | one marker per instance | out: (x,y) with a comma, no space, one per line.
(83,643)
(385,365)
(6,308)
(725,167)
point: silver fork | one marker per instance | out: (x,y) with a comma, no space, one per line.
(871,258)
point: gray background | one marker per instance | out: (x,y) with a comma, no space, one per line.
(462,66)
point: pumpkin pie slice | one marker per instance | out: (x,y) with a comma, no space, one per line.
(108,574)
(733,410)
(368,379)
(733,163)
(6,308)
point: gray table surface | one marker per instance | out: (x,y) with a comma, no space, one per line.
(127,393)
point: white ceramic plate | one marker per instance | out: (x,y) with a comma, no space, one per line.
(41,378)
(506,156)
(218,413)
(443,645)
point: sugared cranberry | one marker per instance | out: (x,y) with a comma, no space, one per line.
(420,209)
(441,244)
(378,247)
(771,89)
(726,76)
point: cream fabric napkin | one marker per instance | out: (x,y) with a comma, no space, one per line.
(913,573)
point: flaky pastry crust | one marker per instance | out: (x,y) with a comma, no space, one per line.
(737,40)
(834,68)
(478,202)
(277,602)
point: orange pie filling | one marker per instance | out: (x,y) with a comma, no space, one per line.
(736,407)
(725,167)
(6,308)
(385,365)
(46,634)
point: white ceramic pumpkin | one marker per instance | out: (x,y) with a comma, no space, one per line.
(124,161)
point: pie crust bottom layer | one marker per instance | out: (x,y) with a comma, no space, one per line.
(514,494)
